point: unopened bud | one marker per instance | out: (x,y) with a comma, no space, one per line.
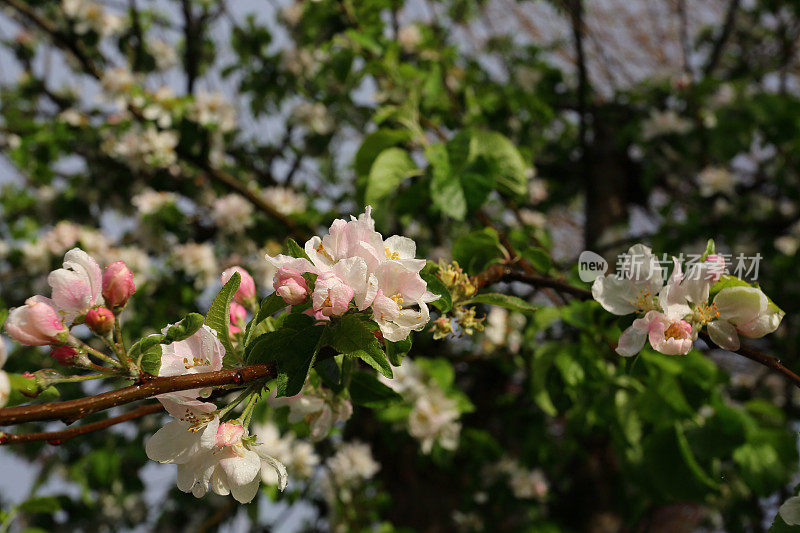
(100,320)
(65,355)
(118,284)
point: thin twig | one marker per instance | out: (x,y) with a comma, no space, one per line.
(72,410)
(59,437)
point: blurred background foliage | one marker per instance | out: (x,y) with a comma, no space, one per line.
(187,136)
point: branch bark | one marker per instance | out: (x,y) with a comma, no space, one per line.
(72,410)
(59,437)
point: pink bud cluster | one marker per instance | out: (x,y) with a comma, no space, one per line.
(80,292)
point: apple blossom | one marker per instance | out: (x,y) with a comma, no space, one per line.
(100,320)
(247,287)
(76,287)
(742,311)
(298,455)
(36,323)
(317,407)
(290,285)
(118,284)
(434,419)
(636,286)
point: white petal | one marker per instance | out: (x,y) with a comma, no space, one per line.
(724,334)
(631,341)
(740,305)
(84,264)
(280,469)
(790,511)
(219,482)
(246,493)
(405,247)
(614,294)
(241,469)
(173,443)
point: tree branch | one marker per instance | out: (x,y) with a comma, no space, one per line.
(59,437)
(719,44)
(72,410)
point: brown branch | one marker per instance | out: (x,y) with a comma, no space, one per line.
(72,410)
(769,361)
(59,437)
(73,46)
(719,44)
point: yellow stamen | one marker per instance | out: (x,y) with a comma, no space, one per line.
(390,254)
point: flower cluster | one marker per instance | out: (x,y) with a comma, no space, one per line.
(356,268)
(461,288)
(433,418)
(673,312)
(298,455)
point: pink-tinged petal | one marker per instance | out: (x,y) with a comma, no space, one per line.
(724,334)
(291,286)
(247,286)
(228,434)
(35,323)
(81,262)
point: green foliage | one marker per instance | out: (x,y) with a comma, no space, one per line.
(354,336)
(366,390)
(388,171)
(445,301)
(477,250)
(183,329)
(218,317)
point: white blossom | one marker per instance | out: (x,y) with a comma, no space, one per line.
(715,180)
(232,213)
(197,260)
(284,200)
(149,201)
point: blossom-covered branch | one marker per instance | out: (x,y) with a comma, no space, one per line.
(59,437)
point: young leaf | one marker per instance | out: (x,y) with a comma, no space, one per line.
(397,350)
(295,250)
(539,258)
(710,249)
(183,329)
(727,281)
(218,317)
(366,390)
(269,306)
(388,171)
(354,338)
(477,250)
(374,144)
(435,285)
(151,359)
(510,168)
(503,300)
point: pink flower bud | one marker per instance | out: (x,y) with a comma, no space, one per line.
(290,286)
(331,295)
(35,324)
(238,313)
(247,287)
(100,320)
(64,355)
(118,284)
(228,434)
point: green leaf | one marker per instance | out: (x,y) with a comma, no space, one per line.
(330,373)
(446,190)
(510,167)
(366,390)
(151,357)
(397,350)
(726,281)
(691,461)
(294,346)
(375,143)
(477,250)
(40,504)
(435,285)
(539,258)
(502,300)
(218,317)
(183,329)
(353,337)
(388,171)
(542,361)
(295,250)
